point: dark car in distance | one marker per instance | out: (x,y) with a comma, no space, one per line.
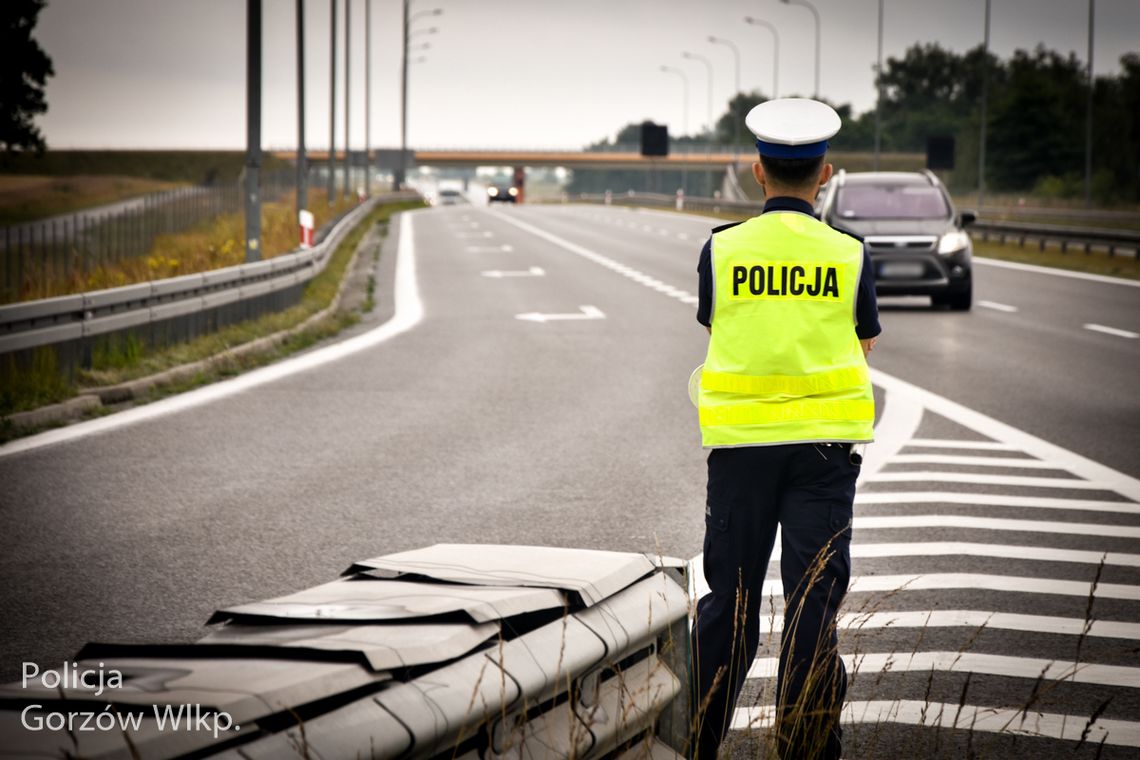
(502,194)
(915,237)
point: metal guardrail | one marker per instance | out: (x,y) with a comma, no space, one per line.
(1065,236)
(65,318)
(475,652)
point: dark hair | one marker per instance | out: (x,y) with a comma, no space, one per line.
(792,172)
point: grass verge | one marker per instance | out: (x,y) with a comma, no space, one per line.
(25,198)
(130,359)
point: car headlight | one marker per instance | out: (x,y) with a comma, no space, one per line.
(952,242)
(513,191)
(492,191)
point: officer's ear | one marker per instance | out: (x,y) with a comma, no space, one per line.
(758,175)
(825,174)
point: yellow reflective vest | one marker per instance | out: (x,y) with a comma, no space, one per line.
(784,364)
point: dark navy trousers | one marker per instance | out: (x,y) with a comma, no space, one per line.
(808,490)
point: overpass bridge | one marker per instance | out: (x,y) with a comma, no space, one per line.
(715,159)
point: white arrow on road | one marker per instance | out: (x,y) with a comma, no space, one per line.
(587,312)
(489,248)
(499,273)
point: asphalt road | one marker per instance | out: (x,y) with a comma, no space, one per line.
(571,427)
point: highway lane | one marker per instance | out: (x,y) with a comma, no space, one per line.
(476,425)
(1006,364)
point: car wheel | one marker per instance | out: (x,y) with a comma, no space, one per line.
(956,301)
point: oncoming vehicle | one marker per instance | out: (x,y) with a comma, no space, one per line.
(502,194)
(450,197)
(915,237)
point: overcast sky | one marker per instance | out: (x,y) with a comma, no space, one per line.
(500,73)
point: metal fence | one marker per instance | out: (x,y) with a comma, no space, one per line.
(70,247)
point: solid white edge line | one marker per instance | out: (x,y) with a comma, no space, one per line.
(1056,272)
(994,500)
(972,662)
(409,310)
(1116,331)
(967,717)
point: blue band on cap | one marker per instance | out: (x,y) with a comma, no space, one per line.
(778,150)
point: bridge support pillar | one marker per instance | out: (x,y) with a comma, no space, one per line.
(520,182)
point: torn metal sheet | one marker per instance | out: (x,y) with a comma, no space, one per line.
(245,689)
(545,661)
(382,647)
(592,575)
(357,730)
(370,599)
(636,614)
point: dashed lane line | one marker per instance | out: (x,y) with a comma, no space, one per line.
(994,500)
(1003,307)
(1111,330)
(973,662)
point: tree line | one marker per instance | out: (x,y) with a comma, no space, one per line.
(1036,120)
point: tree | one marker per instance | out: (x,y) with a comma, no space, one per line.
(23,74)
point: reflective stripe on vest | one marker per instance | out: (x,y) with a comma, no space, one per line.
(784,363)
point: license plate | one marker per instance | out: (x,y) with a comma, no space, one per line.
(902,270)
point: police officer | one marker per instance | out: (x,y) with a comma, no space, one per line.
(784,400)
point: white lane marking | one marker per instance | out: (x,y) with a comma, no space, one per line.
(1056,272)
(483,234)
(1002,480)
(998,306)
(972,662)
(1015,462)
(682,236)
(916,712)
(408,313)
(500,273)
(606,261)
(994,500)
(946,581)
(488,248)
(965,549)
(943,443)
(904,522)
(586,312)
(1111,331)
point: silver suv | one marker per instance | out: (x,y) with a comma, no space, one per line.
(916,239)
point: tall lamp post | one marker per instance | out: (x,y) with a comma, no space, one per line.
(879,90)
(684,116)
(1089,113)
(736,93)
(775,51)
(367,97)
(409,18)
(331,164)
(347,96)
(815,13)
(985,97)
(302,164)
(708,141)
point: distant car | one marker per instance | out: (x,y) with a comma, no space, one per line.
(916,239)
(502,194)
(449,197)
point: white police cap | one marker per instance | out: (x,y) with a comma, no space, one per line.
(792,127)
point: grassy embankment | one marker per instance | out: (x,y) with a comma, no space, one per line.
(122,360)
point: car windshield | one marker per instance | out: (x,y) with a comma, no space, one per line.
(891,202)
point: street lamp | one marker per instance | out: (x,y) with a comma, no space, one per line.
(409,18)
(879,91)
(985,97)
(815,13)
(775,51)
(684,113)
(708,141)
(736,56)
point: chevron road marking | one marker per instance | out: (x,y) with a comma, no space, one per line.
(994,523)
(974,662)
(1015,462)
(1001,621)
(965,549)
(940,443)
(913,712)
(997,480)
(994,500)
